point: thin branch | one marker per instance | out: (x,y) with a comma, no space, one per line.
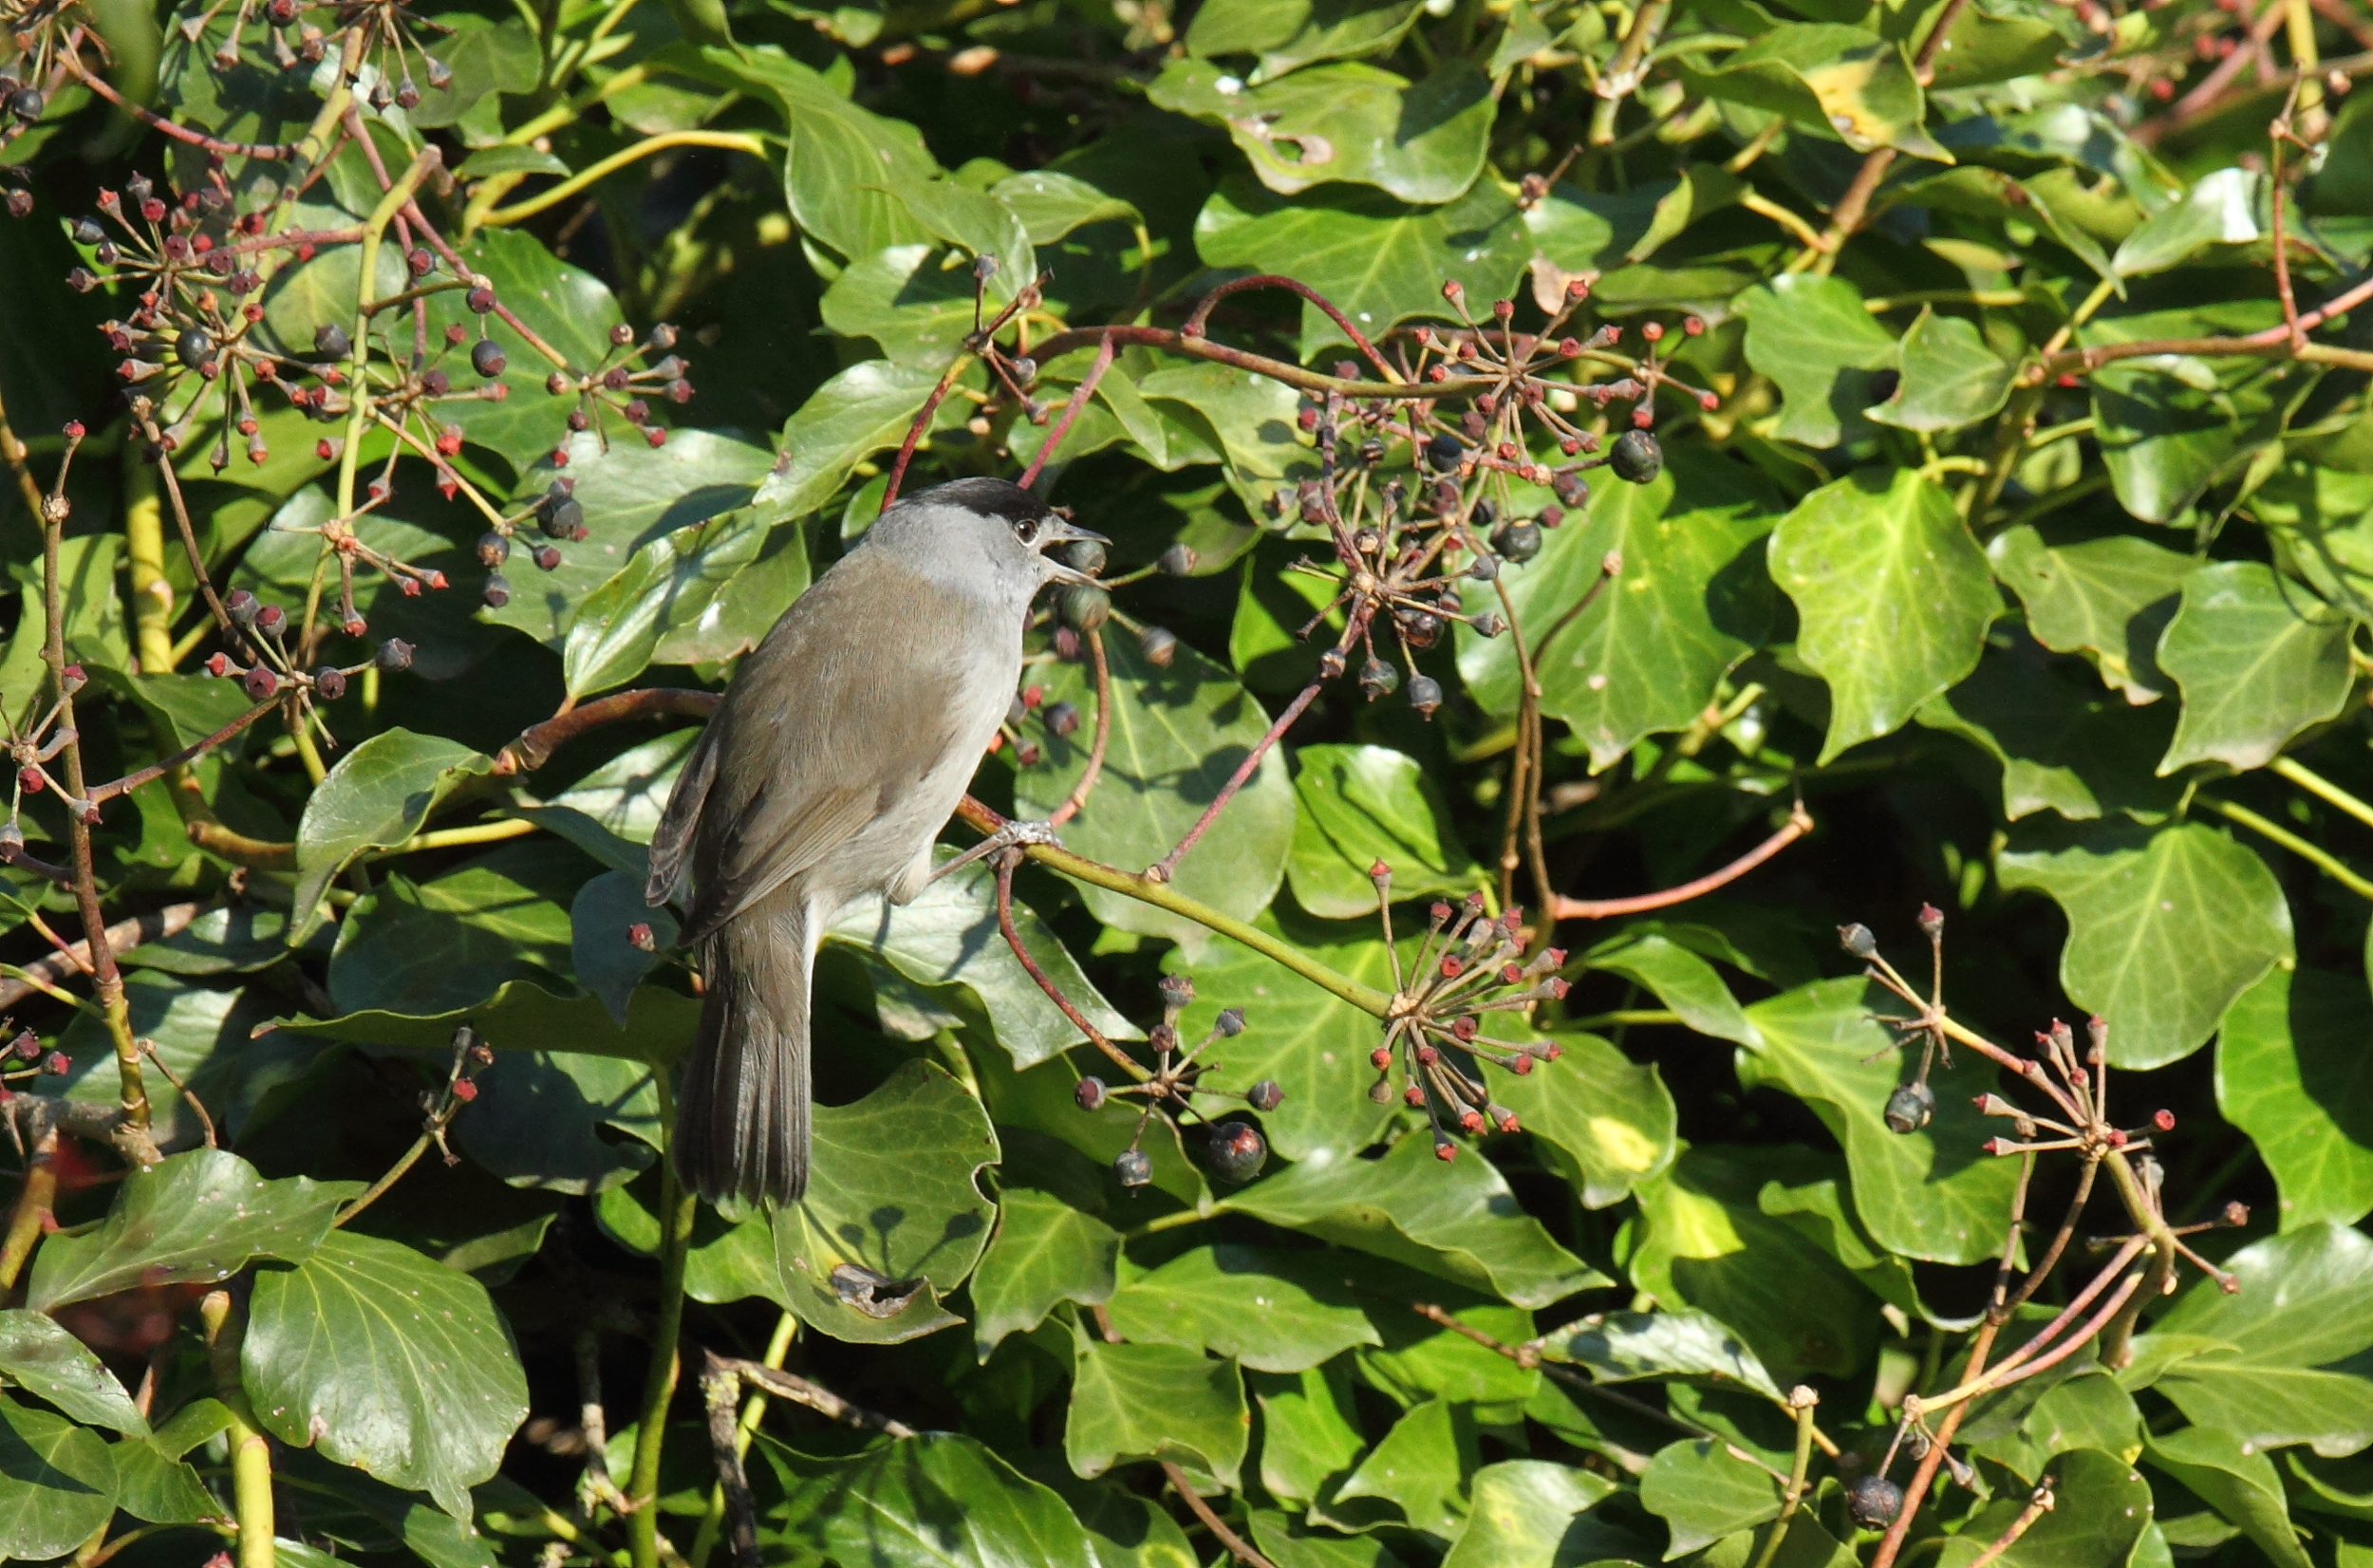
(1161,870)
(1078,796)
(817,1397)
(535,745)
(1072,406)
(720,1388)
(187,753)
(1238,1547)
(154,927)
(1005,864)
(1800,823)
(2038,1505)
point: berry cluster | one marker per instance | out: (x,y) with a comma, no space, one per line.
(622,384)
(274,669)
(1233,1151)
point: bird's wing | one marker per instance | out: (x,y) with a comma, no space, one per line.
(848,703)
(673,836)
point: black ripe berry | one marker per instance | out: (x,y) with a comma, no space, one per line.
(1516,542)
(27,103)
(1265,1095)
(497,591)
(1636,458)
(1873,1500)
(1133,1167)
(492,550)
(1443,452)
(194,348)
(548,557)
(1090,1094)
(331,343)
(1237,1152)
(563,516)
(395,654)
(331,681)
(1424,695)
(1909,1107)
(487,358)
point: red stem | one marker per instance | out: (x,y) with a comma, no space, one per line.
(1195,324)
(1062,428)
(1800,823)
(157,769)
(914,431)
(1078,796)
(1005,863)
(1160,870)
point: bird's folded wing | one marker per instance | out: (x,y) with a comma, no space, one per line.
(775,839)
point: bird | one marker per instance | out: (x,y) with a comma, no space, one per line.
(841,748)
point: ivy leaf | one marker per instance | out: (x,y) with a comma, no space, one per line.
(893,1219)
(2259,662)
(2108,598)
(1950,378)
(1358,805)
(2221,208)
(1178,734)
(1422,1466)
(41,1358)
(1527,1513)
(1692,599)
(2084,754)
(865,409)
(522,1015)
(1892,594)
(1928,1194)
(2292,1334)
(1382,262)
(601,956)
(451,942)
(2239,1482)
(1624,1346)
(157,1489)
(1045,1252)
(565,307)
(909,301)
(1215,413)
(2101,1506)
(2170,424)
(1310,1434)
(1597,1118)
(1287,34)
(2293,1073)
(1051,203)
(668,586)
(1703,1492)
(388,1361)
(2165,929)
(1421,141)
(1842,79)
(1155,1402)
(1270,1312)
(1458,1221)
(1679,979)
(195,1218)
(62,1485)
(936,1499)
(540,1115)
(375,797)
(1811,335)
(2085,1412)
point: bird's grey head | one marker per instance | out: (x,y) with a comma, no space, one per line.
(981,533)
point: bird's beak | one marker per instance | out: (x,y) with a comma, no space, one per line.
(1062,530)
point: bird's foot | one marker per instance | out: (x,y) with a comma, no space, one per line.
(1012,835)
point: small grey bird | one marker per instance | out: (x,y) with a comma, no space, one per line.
(841,749)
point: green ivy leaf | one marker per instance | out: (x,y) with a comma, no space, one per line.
(1892,593)
(1178,734)
(195,1218)
(1155,1402)
(1269,1310)
(375,797)
(2221,208)
(2293,1073)
(1844,80)
(1358,805)
(2259,662)
(2108,598)
(1625,1346)
(62,1485)
(1597,1118)
(160,1490)
(1310,1434)
(539,1118)
(2170,426)
(911,301)
(2085,1411)
(2165,929)
(1418,141)
(2241,1484)
(1045,1252)
(1287,34)
(865,409)
(2101,1505)
(1703,1492)
(2081,753)
(1811,335)
(2303,1315)
(893,1219)
(1457,1222)
(388,1361)
(936,1499)
(43,1359)
(1950,378)
(667,588)
(522,1015)
(1692,600)
(1422,1466)
(1527,1513)
(451,942)
(601,957)
(1679,979)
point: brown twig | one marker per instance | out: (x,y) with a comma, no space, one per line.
(922,423)
(2038,1505)
(1800,823)
(720,1388)
(269,150)
(1161,870)
(1078,796)
(814,1396)
(1006,863)
(187,753)
(1077,400)
(535,745)
(1197,323)
(1238,1547)
(17,855)
(206,1123)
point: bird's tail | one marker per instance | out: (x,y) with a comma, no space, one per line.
(741,1123)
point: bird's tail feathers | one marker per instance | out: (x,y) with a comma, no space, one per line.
(742,1120)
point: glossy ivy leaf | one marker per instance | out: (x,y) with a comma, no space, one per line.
(2101,1505)
(2239,1482)
(2165,929)
(1298,33)
(523,1016)
(2293,1073)
(1310,1435)
(1422,1466)
(1994,195)
(2170,426)
(1155,1402)
(1679,979)
(2108,598)
(1598,1119)
(388,1361)
(62,1485)
(865,409)
(540,1115)
(893,1219)
(1214,412)
(1527,1513)
(1949,378)
(195,1218)
(2221,208)
(1703,1491)
(1274,1312)
(1417,141)
(1623,1346)
(2315,516)
(565,307)
(1358,805)
(1052,204)
(602,952)
(1045,1252)
(2085,1411)
(2285,1368)
(499,56)
(376,796)
(1928,1194)
(451,942)
(633,495)
(1811,335)
(2259,661)
(1692,600)
(1313,1043)
(1381,261)
(1178,734)
(1422,1360)
(203,1035)
(914,301)
(1988,43)
(2075,750)
(667,588)
(157,1489)
(1458,1221)
(1842,79)
(45,1361)
(1893,595)
(946,941)
(936,1499)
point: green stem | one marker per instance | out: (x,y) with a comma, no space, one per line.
(2316,784)
(1626,1016)
(1802,1402)
(730,140)
(676,1209)
(250,1452)
(2321,859)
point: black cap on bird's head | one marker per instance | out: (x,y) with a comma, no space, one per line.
(1035,524)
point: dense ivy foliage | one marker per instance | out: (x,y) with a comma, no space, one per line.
(1680,573)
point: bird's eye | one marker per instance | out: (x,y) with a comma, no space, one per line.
(1026,528)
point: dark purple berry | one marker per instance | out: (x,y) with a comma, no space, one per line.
(331,343)
(1265,1095)
(497,591)
(563,518)
(1177,561)
(1061,718)
(1379,678)
(1635,457)
(548,557)
(88,231)
(1873,1500)
(1084,607)
(492,550)
(1085,556)
(1424,695)
(261,683)
(27,103)
(1090,1094)
(1909,1107)
(1230,1022)
(1237,1152)
(482,299)
(331,683)
(487,358)
(1443,452)
(1516,542)
(194,348)
(1133,1167)
(269,619)
(436,383)
(1159,644)
(395,654)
